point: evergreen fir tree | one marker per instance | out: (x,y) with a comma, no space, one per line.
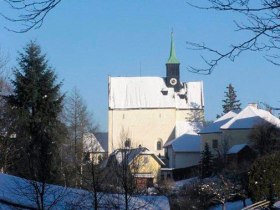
(230,102)
(37,102)
(206,162)
(264,179)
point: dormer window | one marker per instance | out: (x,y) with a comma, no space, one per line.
(164,91)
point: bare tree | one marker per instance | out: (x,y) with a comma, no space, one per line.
(265,138)
(261,25)
(125,167)
(32,13)
(6,142)
(79,122)
(94,174)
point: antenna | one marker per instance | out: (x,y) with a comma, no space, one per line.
(140,68)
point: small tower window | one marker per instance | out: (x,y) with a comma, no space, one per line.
(159,144)
(127,143)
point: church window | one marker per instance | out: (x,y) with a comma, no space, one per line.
(127,143)
(159,144)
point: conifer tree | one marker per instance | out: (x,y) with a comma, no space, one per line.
(264,179)
(37,103)
(206,162)
(230,102)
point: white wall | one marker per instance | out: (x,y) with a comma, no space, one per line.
(182,159)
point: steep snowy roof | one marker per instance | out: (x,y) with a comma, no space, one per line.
(236,148)
(152,92)
(185,143)
(249,117)
(215,126)
(97,142)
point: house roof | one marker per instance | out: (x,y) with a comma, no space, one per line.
(97,142)
(249,117)
(236,148)
(183,127)
(215,126)
(129,154)
(185,143)
(152,92)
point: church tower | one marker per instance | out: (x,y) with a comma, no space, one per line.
(173,68)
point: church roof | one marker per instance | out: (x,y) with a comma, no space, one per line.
(152,92)
(172,57)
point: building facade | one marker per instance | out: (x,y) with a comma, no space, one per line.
(234,129)
(149,111)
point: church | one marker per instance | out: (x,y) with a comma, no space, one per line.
(150,111)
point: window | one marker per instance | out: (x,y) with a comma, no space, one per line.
(127,143)
(215,144)
(159,144)
(146,160)
(86,156)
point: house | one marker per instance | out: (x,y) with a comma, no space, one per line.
(183,151)
(150,111)
(95,146)
(234,128)
(144,165)
(213,135)
(239,153)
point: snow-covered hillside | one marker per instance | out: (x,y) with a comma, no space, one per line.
(18,192)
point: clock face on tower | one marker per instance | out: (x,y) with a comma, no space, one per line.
(173,81)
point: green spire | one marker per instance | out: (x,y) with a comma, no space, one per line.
(172,57)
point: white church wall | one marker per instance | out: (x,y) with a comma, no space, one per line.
(143,126)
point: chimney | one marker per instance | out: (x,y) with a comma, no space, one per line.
(255,105)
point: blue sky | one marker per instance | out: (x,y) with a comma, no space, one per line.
(86,41)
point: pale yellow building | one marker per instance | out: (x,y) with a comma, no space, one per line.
(144,165)
(234,128)
(149,111)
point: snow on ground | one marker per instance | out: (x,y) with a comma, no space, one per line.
(20,192)
(232,205)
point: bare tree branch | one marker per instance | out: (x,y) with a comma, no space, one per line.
(262,24)
(32,13)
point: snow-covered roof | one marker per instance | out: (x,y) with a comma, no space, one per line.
(249,117)
(215,126)
(236,148)
(152,92)
(185,143)
(183,127)
(97,142)
(131,154)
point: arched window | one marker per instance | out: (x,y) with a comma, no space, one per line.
(127,143)
(159,144)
